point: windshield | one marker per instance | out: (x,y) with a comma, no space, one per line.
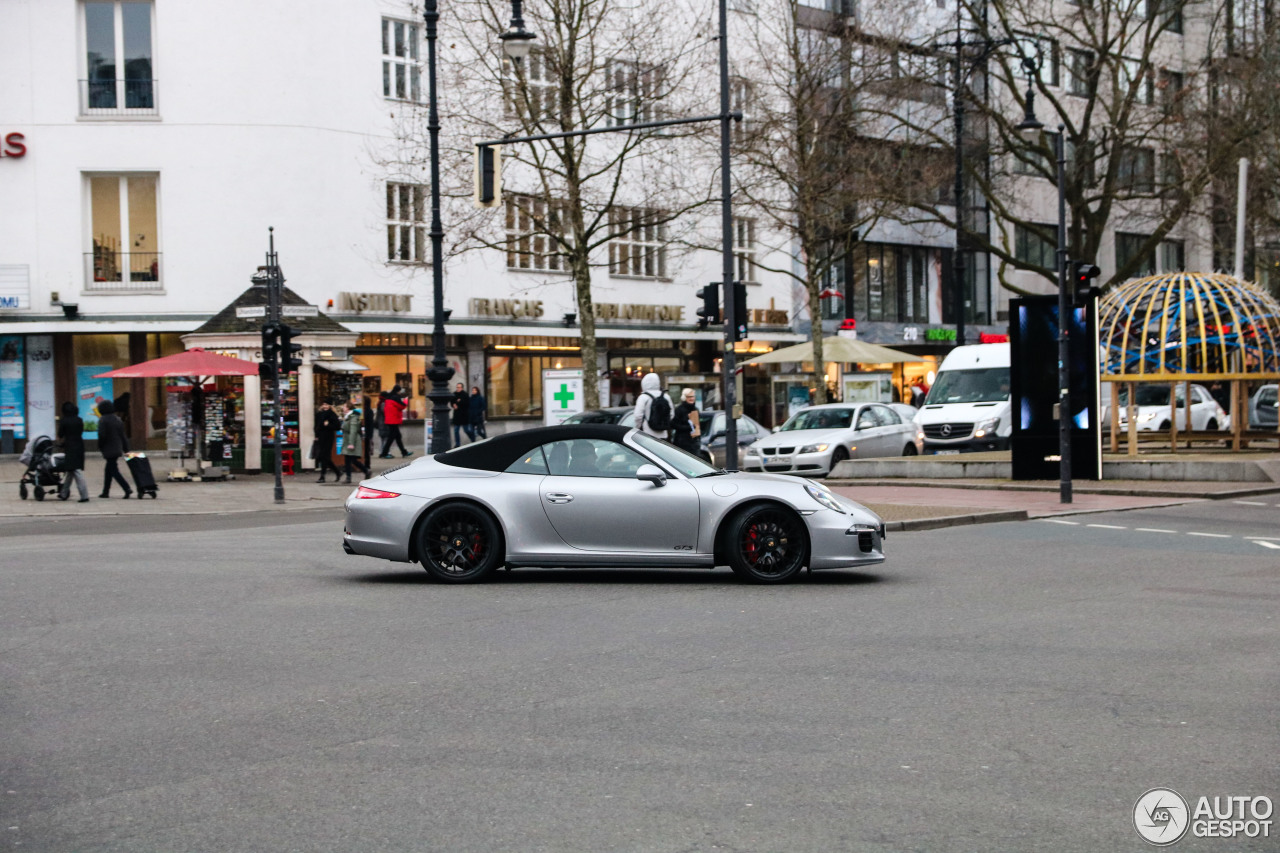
(819,419)
(980,385)
(686,463)
(1148,395)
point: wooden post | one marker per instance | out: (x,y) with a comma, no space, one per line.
(1133,419)
(1115,417)
(1235,415)
(1186,407)
(1173,417)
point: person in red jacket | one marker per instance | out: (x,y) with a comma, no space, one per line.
(392,418)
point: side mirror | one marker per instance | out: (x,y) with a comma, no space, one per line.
(715,435)
(652,473)
(777,429)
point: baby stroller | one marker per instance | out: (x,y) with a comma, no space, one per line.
(44,467)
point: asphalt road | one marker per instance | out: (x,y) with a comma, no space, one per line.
(236,684)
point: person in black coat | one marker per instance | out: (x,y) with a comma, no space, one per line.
(461,418)
(327,424)
(71,437)
(112,444)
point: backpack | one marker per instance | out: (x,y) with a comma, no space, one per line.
(659,416)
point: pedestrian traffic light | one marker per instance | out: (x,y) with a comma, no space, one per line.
(709,313)
(488,176)
(739,311)
(271,347)
(1082,276)
(289,363)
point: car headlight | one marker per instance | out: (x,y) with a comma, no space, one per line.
(823,497)
(814,448)
(990,425)
(751,451)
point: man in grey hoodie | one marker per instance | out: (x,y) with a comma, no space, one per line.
(650,420)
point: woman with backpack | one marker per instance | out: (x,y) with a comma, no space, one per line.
(653,407)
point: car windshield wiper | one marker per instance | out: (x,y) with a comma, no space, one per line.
(715,473)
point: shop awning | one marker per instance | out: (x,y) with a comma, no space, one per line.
(340,366)
(192,362)
(838,349)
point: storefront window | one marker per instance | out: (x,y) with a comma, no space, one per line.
(515,382)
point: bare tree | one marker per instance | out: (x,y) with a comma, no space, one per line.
(815,161)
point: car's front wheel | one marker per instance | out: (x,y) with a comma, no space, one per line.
(766,544)
(459,543)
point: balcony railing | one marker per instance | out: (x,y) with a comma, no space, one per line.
(118,272)
(118,97)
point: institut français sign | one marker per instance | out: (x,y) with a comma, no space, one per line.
(519,309)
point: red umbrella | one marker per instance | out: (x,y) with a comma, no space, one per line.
(194,363)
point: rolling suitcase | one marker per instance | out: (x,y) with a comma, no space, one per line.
(140,468)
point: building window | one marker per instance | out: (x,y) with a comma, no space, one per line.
(538,97)
(1136,82)
(515,381)
(407,223)
(1168,13)
(531,224)
(118,55)
(1033,160)
(633,92)
(1171,88)
(1045,52)
(640,249)
(891,282)
(1137,170)
(1173,256)
(1128,247)
(740,98)
(744,249)
(1079,71)
(1031,246)
(124,233)
(401,67)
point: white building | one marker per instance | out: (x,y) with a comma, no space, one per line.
(146,149)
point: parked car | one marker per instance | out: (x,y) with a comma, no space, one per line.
(713,424)
(1263,408)
(1152,403)
(906,411)
(601,495)
(967,409)
(624,415)
(816,438)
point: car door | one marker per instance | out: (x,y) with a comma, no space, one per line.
(893,433)
(595,503)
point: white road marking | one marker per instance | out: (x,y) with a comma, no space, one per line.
(1057,521)
(1109,526)
(1271,538)
(1153,530)
(1210,535)
(1267,544)
(1251,503)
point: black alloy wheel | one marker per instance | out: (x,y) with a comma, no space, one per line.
(459,543)
(767,544)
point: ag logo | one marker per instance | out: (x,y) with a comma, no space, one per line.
(1161,816)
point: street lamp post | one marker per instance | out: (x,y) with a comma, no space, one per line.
(1032,126)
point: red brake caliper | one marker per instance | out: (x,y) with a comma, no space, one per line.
(753,547)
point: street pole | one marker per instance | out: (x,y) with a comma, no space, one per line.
(1064,323)
(727,364)
(440,372)
(275,286)
(958,283)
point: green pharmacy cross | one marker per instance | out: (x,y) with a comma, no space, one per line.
(563,396)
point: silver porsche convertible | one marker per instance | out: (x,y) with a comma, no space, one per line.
(596,495)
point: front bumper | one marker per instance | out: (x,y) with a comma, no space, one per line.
(967,445)
(843,541)
(810,464)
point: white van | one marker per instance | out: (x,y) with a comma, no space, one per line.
(968,409)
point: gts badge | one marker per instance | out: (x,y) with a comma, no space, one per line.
(684,548)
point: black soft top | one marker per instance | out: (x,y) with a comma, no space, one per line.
(497,453)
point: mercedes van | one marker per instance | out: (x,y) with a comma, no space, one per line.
(967,409)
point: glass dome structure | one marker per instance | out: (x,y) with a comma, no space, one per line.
(1189,326)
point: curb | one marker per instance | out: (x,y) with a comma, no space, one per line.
(957,520)
(1014,487)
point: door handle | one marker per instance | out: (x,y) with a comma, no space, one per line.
(559,497)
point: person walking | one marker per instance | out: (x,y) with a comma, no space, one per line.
(352,439)
(461,418)
(653,407)
(112,444)
(685,427)
(327,425)
(479,409)
(392,417)
(369,429)
(71,436)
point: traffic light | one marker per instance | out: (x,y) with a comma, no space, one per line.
(709,313)
(488,176)
(1082,276)
(270,349)
(739,311)
(289,363)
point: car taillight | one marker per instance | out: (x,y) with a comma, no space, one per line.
(366,493)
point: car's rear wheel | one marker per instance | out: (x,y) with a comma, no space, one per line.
(459,543)
(766,544)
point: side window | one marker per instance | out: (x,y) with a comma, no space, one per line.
(533,462)
(887,416)
(746,427)
(867,418)
(592,457)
